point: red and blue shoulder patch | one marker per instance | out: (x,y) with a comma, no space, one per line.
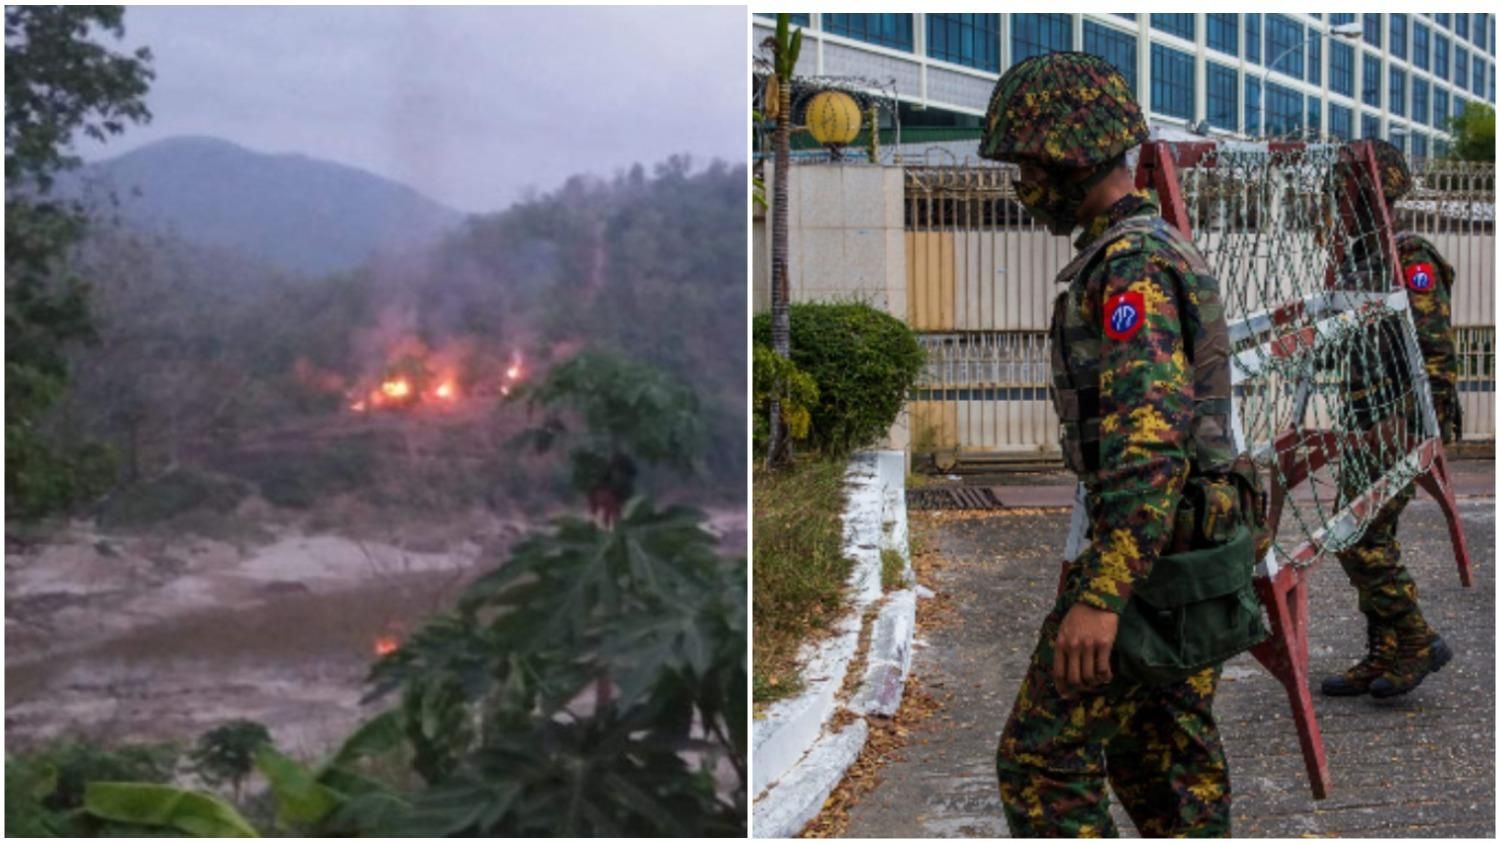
(1124,315)
(1420,277)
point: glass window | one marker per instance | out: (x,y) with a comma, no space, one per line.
(1125,16)
(1442,20)
(1479,30)
(1372,30)
(1419,46)
(1476,79)
(1340,122)
(1283,110)
(1439,148)
(1284,45)
(1336,19)
(1461,25)
(1395,93)
(1418,146)
(1397,137)
(1460,67)
(1252,38)
(1315,60)
(1398,36)
(1369,126)
(1179,25)
(969,40)
(1341,69)
(1171,82)
(885,30)
(1223,97)
(1419,99)
(1035,35)
(1440,56)
(1223,33)
(1114,46)
(1252,105)
(1314,116)
(1371,93)
(1439,106)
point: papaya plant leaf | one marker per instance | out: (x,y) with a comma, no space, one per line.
(159,806)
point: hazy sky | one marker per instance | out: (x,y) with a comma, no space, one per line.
(470,105)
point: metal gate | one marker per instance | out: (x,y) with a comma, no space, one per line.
(980,276)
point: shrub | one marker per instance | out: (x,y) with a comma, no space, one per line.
(863,361)
(170,496)
(778,378)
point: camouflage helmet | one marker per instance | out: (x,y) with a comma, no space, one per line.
(1068,110)
(1395,176)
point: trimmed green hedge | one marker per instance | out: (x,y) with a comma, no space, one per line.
(864,362)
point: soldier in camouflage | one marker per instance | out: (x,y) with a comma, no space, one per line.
(1142,388)
(1402,649)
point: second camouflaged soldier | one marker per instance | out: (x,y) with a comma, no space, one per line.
(1141,385)
(1402,649)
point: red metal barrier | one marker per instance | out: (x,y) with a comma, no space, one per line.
(1284,593)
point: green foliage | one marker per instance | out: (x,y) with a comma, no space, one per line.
(788,46)
(28,784)
(57,83)
(169,496)
(1473,132)
(621,414)
(777,378)
(800,567)
(148,809)
(226,753)
(646,617)
(300,482)
(863,361)
(45,789)
(892,569)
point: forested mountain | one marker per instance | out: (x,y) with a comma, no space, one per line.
(290,211)
(204,356)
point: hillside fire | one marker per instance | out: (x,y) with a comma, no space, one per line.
(422,379)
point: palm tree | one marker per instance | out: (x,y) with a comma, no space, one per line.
(784,48)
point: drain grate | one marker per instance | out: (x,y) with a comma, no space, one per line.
(953,497)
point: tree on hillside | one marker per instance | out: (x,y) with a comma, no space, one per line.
(1473,132)
(58,82)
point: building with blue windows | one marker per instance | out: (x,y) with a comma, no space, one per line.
(1396,76)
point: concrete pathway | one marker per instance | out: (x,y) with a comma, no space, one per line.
(1415,766)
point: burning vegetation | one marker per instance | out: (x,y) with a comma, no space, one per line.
(415,377)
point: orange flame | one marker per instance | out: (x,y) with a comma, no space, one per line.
(398,388)
(386,644)
(445,391)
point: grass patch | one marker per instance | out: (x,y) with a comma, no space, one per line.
(892,570)
(799,567)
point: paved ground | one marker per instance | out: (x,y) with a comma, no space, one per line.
(1415,766)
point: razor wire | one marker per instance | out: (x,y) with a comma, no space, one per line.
(1330,392)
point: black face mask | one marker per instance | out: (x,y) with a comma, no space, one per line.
(1055,201)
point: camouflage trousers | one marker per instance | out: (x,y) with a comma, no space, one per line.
(1387,593)
(1157,747)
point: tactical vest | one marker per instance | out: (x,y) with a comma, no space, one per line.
(1077,347)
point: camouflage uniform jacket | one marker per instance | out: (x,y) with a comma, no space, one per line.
(1429,287)
(1145,397)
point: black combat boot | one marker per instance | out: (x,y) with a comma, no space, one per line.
(1419,651)
(1380,656)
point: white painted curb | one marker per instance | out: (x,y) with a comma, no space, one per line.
(795,761)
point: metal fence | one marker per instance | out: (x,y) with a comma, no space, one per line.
(980,287)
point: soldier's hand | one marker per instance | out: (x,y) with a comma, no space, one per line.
(1080,659)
